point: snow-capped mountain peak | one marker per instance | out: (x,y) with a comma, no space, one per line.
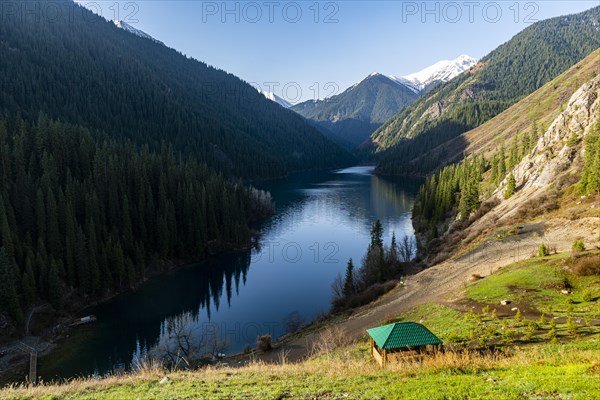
(443,71)
(273,97)
(398,80)
(126,27)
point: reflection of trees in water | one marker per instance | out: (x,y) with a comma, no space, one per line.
(177,307)
(392,198)
(183,343)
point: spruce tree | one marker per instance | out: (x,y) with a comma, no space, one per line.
(9,298)
(349,280)
(377,235)
(510,186)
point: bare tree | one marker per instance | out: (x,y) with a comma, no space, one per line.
(337,288)
(184,343)
(407,248)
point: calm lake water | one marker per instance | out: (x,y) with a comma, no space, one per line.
(323,219)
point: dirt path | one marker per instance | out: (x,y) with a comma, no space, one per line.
(441,283)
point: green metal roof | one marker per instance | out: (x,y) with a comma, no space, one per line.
(402,334)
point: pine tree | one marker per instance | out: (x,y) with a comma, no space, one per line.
(9,299)
(349,280)
(377,235)
(510,186)
(28,283)
(5,231)
(392,256)
(55,289)
(590,175)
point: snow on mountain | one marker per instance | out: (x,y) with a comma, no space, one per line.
(273,97)
(443,71)
(126,27)
(403,81)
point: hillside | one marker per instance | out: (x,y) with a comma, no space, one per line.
(354,114)
(539,108)
(536,176)
(501,79)
(84,70)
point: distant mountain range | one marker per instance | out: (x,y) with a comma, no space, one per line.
(352,116)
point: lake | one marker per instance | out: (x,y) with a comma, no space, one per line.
(323,219)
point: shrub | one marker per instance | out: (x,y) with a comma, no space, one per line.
(543,251)
(453,338)
(494,314)
(543,319)
(518,316)
(573,140)
(578,245)
(491,330)
(587,265)
(333,337)
(552,334)
(469,314)
(485,310)
(572,327)
(483,341)
(587,296)
(533,326)
(263,343)
(507,336)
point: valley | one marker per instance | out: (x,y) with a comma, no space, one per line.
(169,231)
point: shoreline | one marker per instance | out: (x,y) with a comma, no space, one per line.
(56,332)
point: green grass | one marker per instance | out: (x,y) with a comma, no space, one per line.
(538,282)
(525,367)
(564,371)
(445,322)
(546,371)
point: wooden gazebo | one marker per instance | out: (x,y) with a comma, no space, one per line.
(400,339)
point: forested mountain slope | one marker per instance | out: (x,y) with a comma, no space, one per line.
(517,68)
(520,122)
(82,69)
(120,156)
(354,114)
(82,215)
(541,172)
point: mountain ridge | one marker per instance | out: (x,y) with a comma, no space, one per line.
(354,114)
(499,80)
(137,32)
(164,97)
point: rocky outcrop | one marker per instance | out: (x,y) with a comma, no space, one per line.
(554,155)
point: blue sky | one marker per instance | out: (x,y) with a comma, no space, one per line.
(323,47)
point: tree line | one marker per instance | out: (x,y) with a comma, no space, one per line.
(590,176)
(456,189)
(84,215)
(377,274)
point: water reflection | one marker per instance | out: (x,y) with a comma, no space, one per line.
(323,219)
